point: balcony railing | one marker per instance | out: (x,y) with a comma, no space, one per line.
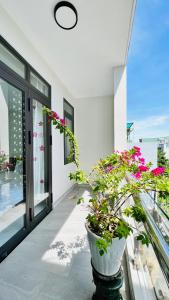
(157,227)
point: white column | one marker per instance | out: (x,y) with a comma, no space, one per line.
(119,108)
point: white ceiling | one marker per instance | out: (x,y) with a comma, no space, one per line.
(82,58)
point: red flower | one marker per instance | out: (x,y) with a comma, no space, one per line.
(137,175)
(137,149)
(141,160)
(54,115)
(143,168)
(158,171)
(62,121)
(136,153)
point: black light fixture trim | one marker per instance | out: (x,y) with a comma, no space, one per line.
(65,4)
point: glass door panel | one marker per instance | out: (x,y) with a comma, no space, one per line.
(12,187)
(40,158)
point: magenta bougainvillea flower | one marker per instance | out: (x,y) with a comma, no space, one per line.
(143,168)
(54,116)
(141,160)
(137,175)
(62,122)
(158,171)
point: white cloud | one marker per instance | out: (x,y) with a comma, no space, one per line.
(153,126)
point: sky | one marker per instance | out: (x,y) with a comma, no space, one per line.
(148,70)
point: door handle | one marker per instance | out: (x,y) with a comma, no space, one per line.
(29,137)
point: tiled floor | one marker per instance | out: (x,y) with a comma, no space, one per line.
(53,262)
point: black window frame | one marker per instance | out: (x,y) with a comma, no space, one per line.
(28,70)
(71,118)
(29,91)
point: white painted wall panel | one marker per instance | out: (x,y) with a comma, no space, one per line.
(94,127)
(120,108)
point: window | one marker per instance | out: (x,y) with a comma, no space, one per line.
(8,58)
(39,84)
(15,62)
(69,119)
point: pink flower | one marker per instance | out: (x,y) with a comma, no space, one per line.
(137,149)
(137,152)
(137,175)
(109,169)
(158,171)
(62,121)
(143,168)
(141,160)
(55,115)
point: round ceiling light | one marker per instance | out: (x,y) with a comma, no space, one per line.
(65,15)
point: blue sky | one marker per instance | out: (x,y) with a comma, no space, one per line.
(148,69)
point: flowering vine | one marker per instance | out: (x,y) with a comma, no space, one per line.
(59,124)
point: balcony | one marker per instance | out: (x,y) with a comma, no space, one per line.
(81,74)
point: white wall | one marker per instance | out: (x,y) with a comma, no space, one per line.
(120,108)
(148,150)
(94,127)
(10,31)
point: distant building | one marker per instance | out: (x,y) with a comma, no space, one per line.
(162,143)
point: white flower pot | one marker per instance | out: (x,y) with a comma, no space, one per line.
(109,263)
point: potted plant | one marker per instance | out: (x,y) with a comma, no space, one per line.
(113,180)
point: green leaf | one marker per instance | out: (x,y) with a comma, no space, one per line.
(79,176)
(101,252)
(136,212)
(128,211)
(143,237)
(102,245)
(123,229)
(80,200)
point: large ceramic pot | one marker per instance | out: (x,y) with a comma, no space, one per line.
(109,263)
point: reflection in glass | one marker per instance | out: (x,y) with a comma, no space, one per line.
(12,61)
(67,143)
(39,158)
(39,84)
(12,203)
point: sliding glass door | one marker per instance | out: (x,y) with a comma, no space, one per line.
(12,161)
(40,158)
(25,149)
